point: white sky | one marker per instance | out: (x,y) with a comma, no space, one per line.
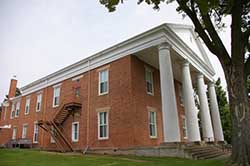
(38,37)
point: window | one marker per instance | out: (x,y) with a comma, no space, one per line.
(27,106)
(35,136)
(12,114)
(17,109)
(152,125)
(103,82)
(77,92)
(181,95)
(75,131)
(184,126)
(149,81)
(38,102)
(14,132)
(103,125)
(24,133)
(52,140)
(56,96)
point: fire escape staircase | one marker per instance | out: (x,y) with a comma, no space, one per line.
(53,126)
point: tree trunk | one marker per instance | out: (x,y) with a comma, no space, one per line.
(240,114)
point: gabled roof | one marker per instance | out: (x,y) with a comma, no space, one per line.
(191,38)
(152,37)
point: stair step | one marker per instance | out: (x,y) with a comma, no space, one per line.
(211,156)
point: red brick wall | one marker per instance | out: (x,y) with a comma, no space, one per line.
(127,101)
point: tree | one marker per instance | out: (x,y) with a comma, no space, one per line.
(207,17)
(224,111)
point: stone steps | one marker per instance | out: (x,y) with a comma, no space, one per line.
(206,152)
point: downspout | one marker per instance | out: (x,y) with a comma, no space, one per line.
(88,109)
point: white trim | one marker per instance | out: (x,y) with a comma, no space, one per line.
(99,82)
(153,37)
(73,134)
(107,124)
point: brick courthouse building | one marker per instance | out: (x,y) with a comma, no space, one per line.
(138,93)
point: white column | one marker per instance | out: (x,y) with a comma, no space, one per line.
(170,118)
(207,129)
(218,133)
(189,105)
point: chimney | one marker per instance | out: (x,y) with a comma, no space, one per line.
(12,90)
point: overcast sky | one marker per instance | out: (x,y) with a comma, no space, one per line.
(38,37)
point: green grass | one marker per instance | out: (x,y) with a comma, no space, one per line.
(18,157)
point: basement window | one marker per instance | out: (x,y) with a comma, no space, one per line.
(75,131)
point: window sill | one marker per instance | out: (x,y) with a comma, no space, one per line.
(102,94)
(103,139)
(75,141)
(151,94)
(55,106)
(153,137)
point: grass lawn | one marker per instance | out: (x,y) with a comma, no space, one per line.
(18,157)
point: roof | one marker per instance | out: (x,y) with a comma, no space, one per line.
(162,33)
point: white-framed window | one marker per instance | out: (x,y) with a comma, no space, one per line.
(184,126)
(35,133)
(24,132)
(27,106)
(75,132)
(103,125)
(152,124)
(52,140)
(181,95)
(38,102)
(12,113)
(14,133)
(149,81)
(103,86)
(17,109)
(56,97)
(5,112)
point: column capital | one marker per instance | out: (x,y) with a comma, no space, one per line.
(164,45)
(211,84)
(200,75)
(185,63)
